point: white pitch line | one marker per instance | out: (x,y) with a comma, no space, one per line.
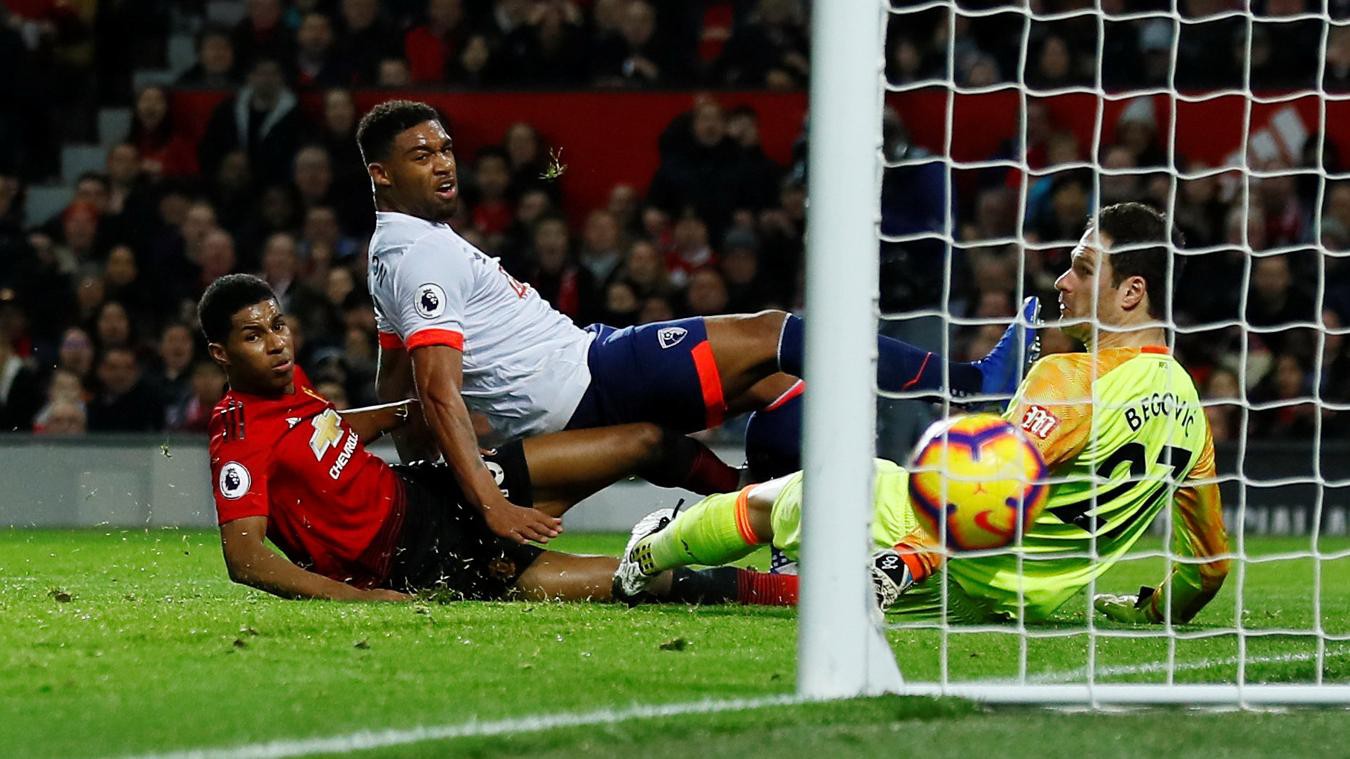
(365,740)
(1122,670)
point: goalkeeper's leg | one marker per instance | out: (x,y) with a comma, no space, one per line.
(717,530)
(724,528)
(727,527)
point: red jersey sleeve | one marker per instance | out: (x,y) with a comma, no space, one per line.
(238,470)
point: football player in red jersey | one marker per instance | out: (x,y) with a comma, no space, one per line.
(287,466)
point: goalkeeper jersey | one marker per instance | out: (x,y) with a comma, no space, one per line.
(1124,435)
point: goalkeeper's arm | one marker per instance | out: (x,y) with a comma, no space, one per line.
(1200,542)
(911,561)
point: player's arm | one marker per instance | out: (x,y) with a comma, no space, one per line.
(1198,533)
(895,570)
(1053,407)
(394,382)
(438,374)
(250,562)
(1200,542)
(370,422)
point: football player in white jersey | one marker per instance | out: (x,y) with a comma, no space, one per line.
(492,362)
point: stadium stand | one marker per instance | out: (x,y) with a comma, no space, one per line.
(654,168)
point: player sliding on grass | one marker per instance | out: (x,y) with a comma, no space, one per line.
(288,466)
(492,362)
(1117,425)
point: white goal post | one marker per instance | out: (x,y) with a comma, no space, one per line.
(842,649)
(842,644)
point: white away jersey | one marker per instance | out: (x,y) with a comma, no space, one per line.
(524,363)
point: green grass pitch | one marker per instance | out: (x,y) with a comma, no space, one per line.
(131,642)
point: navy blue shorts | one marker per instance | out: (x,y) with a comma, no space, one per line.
(663,373)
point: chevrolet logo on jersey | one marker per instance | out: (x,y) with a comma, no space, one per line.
(328,433)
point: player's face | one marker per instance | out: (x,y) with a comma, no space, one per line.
(1085,290)
(257,355)
(419,177)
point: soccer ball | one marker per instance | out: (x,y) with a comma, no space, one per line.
(980,476)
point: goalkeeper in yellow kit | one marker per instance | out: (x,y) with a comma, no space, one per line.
(1120,427)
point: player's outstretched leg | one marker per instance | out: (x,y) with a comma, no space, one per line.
(773,434)
(749,348)
(567,467)
(555,576)
(716,530)
(630,581)
(1002,369)
(903,367)
(773,437)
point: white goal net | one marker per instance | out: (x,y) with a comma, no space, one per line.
(1004,126)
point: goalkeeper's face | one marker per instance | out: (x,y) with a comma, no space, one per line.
(1086,295)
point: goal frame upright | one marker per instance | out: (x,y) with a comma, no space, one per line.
(842,649)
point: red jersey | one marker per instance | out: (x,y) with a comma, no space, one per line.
(331,506)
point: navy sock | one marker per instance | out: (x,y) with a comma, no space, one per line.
(773,441)
(900,366)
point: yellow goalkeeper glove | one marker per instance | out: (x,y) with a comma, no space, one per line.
(1127,608)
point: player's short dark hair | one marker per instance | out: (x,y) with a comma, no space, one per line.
(224,298)
(377,130)
(1141,232)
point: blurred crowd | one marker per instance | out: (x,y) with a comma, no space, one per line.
(1295,225)
(96,303)
(1216,46)
(76,54)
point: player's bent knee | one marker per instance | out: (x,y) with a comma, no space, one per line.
(746,347)
(652,441)
(759,508)
(768,323)
(664,455)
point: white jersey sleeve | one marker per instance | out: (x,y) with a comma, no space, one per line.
(430,289)
(389,338)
